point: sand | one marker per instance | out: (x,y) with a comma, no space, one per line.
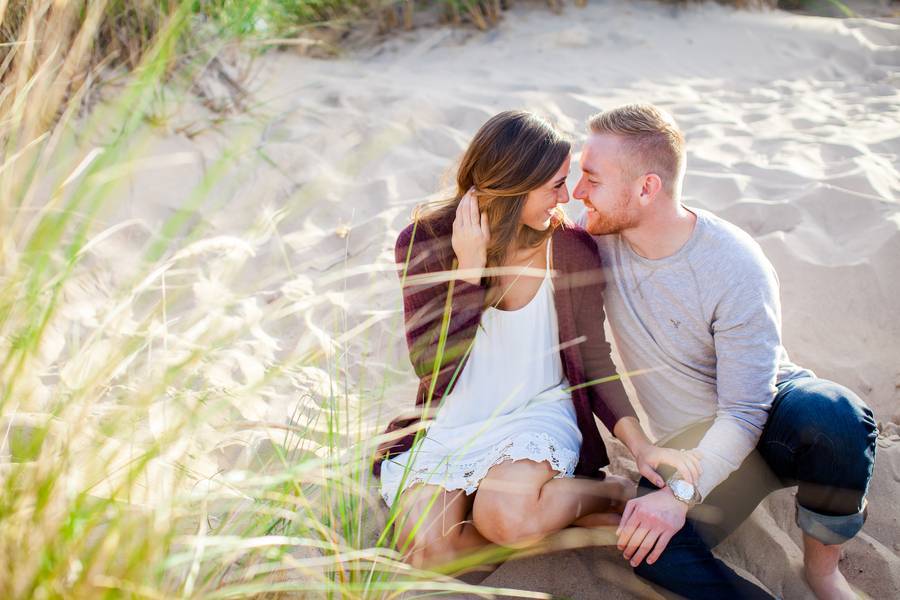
(793,133)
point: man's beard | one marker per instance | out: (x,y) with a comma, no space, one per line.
(615,221)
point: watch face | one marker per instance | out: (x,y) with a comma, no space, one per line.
(682,489)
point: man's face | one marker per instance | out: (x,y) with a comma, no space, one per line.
(608,191)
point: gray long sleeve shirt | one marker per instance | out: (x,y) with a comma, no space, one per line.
(702,329)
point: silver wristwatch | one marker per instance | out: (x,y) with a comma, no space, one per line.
(684,491)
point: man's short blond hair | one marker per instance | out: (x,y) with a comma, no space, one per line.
(652,140)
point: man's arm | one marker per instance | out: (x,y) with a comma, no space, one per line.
(747,335)
(746,329)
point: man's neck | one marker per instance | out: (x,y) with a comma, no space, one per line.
(662,233)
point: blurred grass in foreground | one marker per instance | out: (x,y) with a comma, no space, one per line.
(177,422)
(156,440)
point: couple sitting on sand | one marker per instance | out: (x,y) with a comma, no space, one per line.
(504,303)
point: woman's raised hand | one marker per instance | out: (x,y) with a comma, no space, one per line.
(470,239)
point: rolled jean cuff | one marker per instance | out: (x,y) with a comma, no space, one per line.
(830,530)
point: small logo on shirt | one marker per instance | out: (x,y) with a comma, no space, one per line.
(675,323)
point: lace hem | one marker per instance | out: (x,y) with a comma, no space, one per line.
(538,447)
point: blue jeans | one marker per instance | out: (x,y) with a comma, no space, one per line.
(821,437)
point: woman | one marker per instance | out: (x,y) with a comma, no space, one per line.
(504,322)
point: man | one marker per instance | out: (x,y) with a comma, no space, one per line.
(693,304)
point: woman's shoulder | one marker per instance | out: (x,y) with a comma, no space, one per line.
(406,235)
(421,239)
(424,229)
(574,247)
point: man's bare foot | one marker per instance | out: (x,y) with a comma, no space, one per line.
(821,570)
(829,586)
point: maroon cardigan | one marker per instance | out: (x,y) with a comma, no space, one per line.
(578,296)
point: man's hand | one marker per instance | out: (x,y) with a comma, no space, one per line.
(648,523)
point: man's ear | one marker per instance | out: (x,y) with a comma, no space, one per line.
(650,186)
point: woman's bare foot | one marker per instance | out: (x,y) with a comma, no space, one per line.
(599,520)
(619,491)
(623,490)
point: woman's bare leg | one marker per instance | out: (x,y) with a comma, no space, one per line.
(434,526)
(520,501)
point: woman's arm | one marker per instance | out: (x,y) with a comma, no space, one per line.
(607,394)
(441,312)
(648,456)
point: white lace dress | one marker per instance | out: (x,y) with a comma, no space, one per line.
(509,403)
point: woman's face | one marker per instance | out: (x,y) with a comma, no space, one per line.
(541,203)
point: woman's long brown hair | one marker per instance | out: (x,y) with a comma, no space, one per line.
(512,154)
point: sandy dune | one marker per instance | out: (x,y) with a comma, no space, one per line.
(793,129)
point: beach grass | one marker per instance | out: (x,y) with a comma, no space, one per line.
(139,452)
(140,455)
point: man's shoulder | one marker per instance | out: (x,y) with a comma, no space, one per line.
(724,230)
(723,245)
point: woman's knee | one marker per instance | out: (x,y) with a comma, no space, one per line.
(506,505)
(506,519)
(503,522)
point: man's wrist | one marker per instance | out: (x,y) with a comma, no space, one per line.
(683,491)
(684,506)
